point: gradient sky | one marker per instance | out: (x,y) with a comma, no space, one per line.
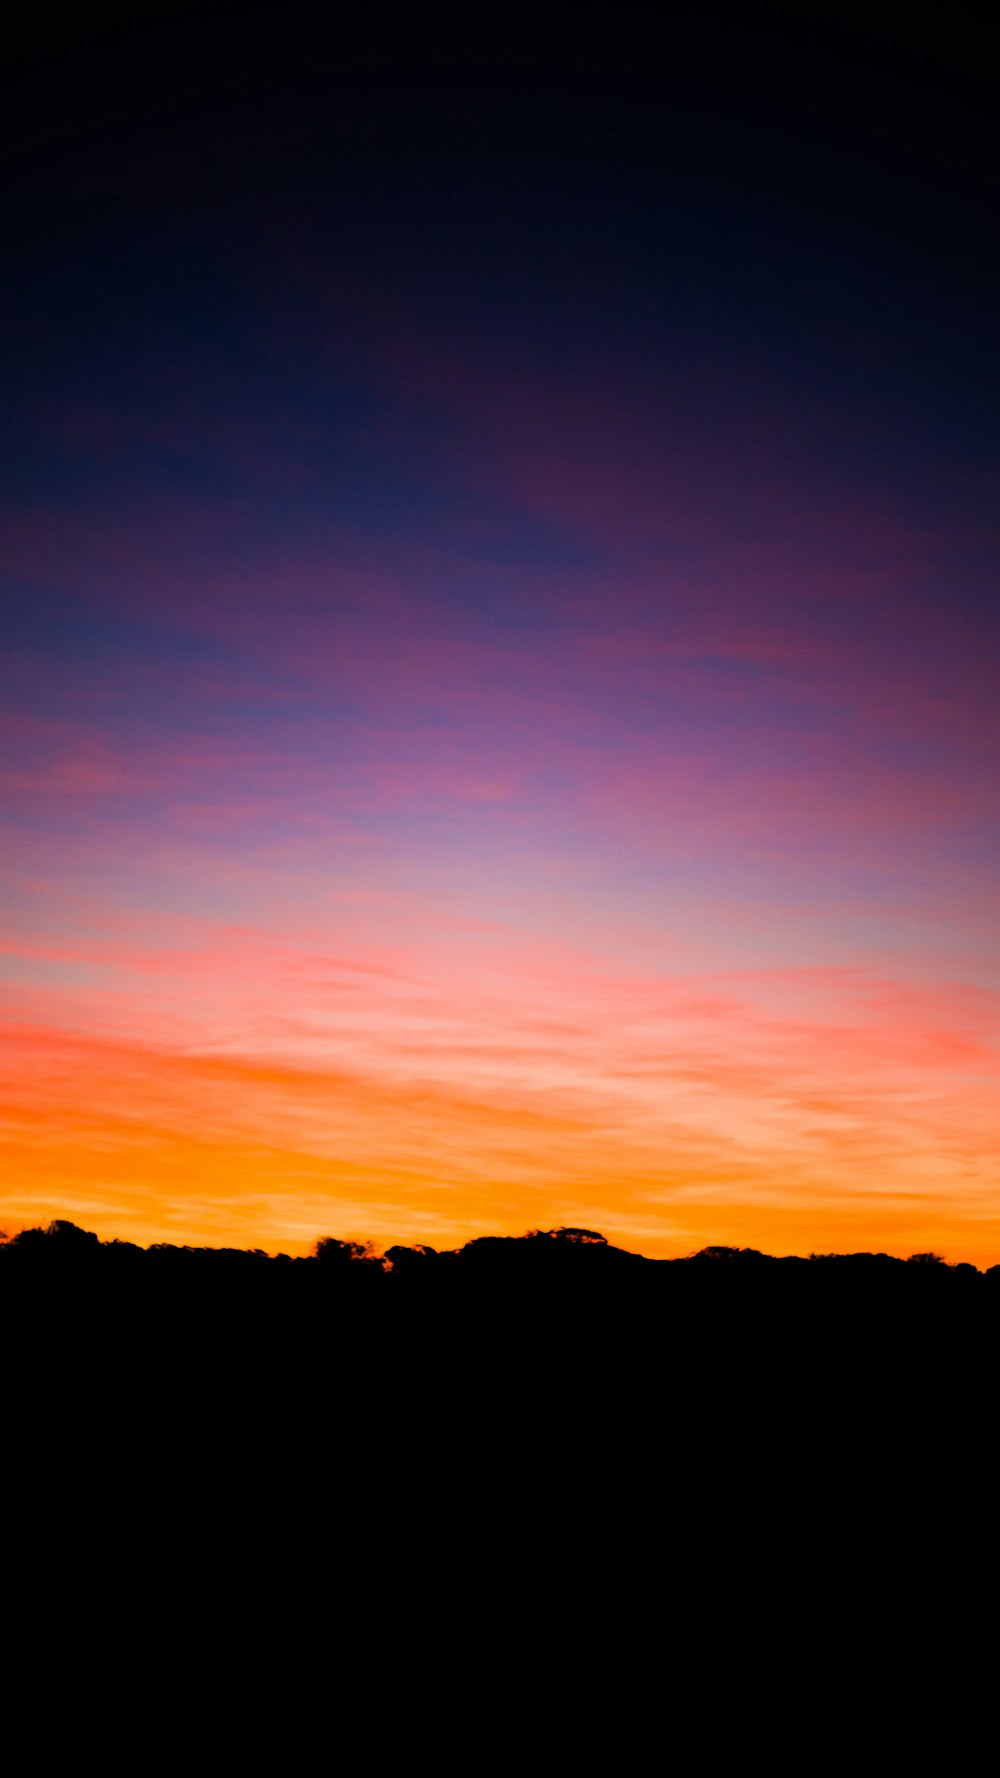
(501,702)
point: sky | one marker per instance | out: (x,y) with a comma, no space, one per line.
(500,713)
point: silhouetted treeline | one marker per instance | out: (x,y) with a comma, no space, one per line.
(539,1261)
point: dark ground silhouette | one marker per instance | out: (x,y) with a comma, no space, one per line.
(550,1391)
(559,1290)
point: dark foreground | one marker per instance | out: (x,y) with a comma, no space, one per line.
(548,1445)
(552,1312)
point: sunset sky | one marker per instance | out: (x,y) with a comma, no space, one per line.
(501,636)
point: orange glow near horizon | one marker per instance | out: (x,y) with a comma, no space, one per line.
(789,1111)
